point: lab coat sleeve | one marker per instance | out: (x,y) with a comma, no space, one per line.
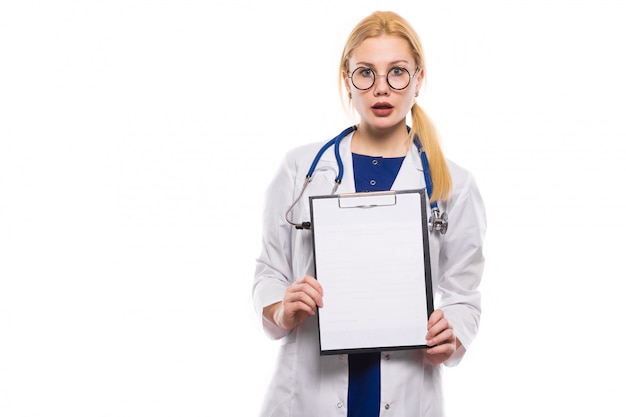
(461,261)
(274,267)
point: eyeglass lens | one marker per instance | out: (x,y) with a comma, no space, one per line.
(364,78)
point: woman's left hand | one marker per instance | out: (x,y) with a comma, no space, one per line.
(441,339)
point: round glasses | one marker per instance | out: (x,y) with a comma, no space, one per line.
(398,78)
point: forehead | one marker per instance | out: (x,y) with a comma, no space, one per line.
(382,50)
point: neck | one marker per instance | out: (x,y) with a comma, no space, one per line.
(389,143)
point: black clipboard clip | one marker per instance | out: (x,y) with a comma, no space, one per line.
(367,200)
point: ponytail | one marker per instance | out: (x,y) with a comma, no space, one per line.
(425,130)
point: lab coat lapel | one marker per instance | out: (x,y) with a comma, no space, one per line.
(347,182)
(411,174)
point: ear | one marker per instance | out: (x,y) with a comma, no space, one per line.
(420,80)
(346,81)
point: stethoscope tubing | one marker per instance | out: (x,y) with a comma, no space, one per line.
(437,221)
(334,141)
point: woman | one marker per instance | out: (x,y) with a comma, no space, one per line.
(381,70)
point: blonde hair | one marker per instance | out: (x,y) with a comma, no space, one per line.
(392,24)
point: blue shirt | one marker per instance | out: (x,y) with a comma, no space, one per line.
(371,173)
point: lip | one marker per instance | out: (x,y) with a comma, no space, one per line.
(382,109)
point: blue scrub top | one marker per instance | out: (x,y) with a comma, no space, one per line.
(371,173)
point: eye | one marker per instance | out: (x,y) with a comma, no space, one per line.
(365,72)
(397,71)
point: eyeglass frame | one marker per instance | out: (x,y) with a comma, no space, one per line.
(381,75)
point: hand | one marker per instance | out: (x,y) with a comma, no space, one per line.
(441,337)
(299,302)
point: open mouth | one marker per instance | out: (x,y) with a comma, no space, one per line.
(382,109)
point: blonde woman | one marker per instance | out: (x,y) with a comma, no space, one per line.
(381,72)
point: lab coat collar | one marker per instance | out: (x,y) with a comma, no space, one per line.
(410,176)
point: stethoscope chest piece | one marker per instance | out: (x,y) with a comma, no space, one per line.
(438,221)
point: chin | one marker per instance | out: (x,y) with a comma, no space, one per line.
(384,123)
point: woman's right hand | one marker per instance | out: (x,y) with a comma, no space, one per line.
(299,302)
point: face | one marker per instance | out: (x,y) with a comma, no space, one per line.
(381,106)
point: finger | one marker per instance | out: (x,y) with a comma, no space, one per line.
(299,306)
(438,328)
(447,336)
(444,349)
(299,296)
(435,317)
(308,279)
(304,287)
(288,318)
(303,293)
(295,311)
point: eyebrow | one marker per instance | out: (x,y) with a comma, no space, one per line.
(369,64)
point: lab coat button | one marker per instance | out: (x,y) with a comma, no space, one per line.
(387,356)
(339,405)
(374,161)
(341,357)
(372,182)
(387,406)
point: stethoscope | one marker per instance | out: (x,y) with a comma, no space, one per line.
(438,220)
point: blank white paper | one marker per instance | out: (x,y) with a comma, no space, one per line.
(370,263)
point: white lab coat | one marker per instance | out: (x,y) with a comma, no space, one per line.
(306,384)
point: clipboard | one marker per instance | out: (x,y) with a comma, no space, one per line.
(371,255)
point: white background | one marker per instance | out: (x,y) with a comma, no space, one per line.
(136,141)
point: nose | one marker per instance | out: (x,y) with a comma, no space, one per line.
(381,87)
